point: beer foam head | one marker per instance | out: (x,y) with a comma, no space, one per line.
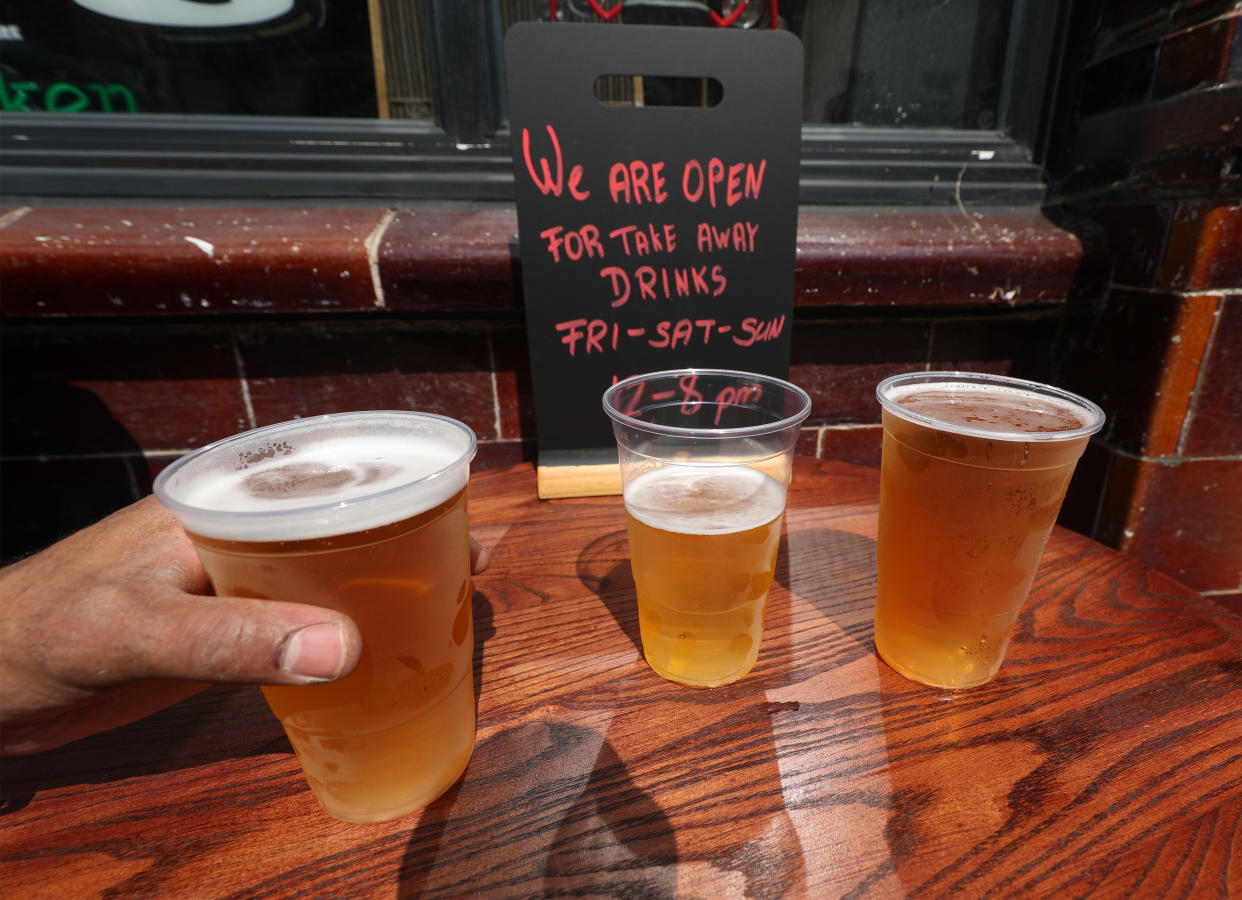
(704,499)
(319,477)
(990,406)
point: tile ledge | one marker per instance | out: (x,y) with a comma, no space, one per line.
(115,262)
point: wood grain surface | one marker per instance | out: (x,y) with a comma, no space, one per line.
(1104,761)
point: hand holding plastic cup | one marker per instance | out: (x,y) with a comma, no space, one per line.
(706,457)
(363,513)
(973,472)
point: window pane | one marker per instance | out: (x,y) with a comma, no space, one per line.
(403,69)
(258,57)
(917,63)
(925,63)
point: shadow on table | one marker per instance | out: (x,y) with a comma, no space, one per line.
(220,723)
(539,801)
(484,630)
(959,776)
(604,569)
(548,803)
(551,808)
(615,840)
(649,821)
(833,571)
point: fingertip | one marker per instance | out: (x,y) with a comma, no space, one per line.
(315,653)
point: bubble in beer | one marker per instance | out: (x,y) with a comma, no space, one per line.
(249,457)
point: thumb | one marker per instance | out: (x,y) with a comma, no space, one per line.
(167,633)
(248,640)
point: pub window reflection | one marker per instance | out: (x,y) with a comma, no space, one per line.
(887,63)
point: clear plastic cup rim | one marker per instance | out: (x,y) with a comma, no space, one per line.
(311,510)
(1092,412)
(677,430)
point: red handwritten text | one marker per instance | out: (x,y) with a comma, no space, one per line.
(592,333)
(681,332)
(739,396)
(757,331)
(740,181)
(650,240)
(738,236)
(601,336)
(577,244)
(637,182)
(692,398)
(665,282)
(547,182)
(689,396)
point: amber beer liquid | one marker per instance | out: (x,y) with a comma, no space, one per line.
(703,547)
(706,458)
(366,514)
(973,472)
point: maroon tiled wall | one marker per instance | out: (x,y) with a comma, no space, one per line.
(109,371)
(1152,160)
(154,262)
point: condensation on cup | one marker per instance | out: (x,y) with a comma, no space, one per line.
(973,472)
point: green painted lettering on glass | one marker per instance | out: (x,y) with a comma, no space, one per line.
(16,96)
(107,91)
(63,97)
(28,96)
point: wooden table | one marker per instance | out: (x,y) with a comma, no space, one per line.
(1105,760)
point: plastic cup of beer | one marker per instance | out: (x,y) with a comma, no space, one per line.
(365,513)
(973,472)
(706,457)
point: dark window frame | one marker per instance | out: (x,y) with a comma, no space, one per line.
(465,155)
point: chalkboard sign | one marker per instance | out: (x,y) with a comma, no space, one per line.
(652,237)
